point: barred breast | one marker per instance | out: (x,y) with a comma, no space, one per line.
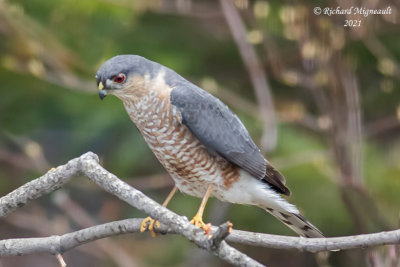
(188,162)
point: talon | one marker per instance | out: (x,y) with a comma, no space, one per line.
(143,225)
(154,224)
(151,222)
(230,226)
(198,222)
(207,228)
(52,169)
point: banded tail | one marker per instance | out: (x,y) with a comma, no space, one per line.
(296,222)
(284,211)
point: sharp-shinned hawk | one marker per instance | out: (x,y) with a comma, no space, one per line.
(200,142)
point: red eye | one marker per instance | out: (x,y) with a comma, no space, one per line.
(119,78)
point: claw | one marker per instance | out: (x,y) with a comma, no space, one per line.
(230,227)
(198,222)
(152,225)
(207,228)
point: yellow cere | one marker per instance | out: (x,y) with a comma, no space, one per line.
(101,86)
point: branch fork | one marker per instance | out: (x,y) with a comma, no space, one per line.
(171,223)
(88,165)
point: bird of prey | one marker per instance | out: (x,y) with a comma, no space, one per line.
(200,142)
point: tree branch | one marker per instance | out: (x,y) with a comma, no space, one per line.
(170,222)
(88,164)
(315,244)
(52,244)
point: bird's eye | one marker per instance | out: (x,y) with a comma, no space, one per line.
(120,78)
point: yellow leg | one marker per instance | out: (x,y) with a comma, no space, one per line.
(169,197)
(153,223)
(198,218)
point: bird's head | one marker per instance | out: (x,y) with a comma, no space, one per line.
(124,75)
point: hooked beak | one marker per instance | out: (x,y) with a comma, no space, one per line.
(102,91)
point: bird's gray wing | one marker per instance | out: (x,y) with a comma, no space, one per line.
(218,128)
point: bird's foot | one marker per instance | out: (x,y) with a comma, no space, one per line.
(198,222)
(230,227)
(152,225)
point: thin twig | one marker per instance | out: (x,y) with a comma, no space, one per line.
(315,244)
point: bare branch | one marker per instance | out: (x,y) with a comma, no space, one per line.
(71,240)
(55,244)
(315,244)
(171,222)
(79,216)
(88,164)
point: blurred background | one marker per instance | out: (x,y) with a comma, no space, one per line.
(321,99)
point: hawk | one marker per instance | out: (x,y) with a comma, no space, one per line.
(200,142)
